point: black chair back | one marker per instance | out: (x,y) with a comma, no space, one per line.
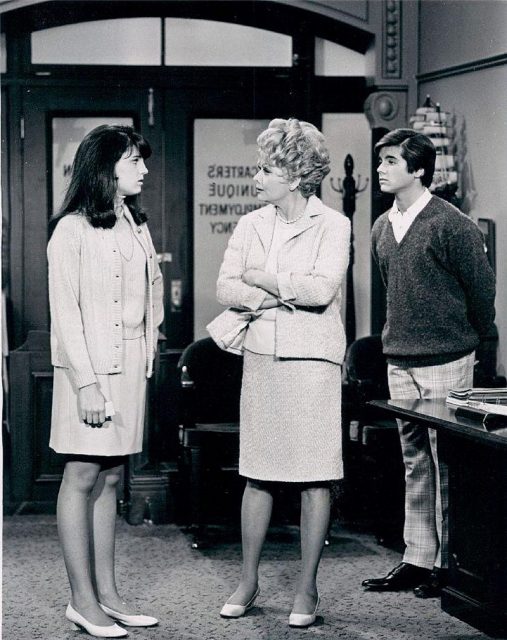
(366,368)
(215,378)
(371,446)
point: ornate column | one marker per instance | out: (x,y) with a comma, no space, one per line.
(394,95)
(387,109)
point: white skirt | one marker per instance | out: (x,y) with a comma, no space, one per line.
(123,435)
(290,422)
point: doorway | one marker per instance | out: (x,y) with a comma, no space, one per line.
(55,121)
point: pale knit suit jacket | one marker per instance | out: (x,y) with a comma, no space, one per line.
(312,264)
(85,284)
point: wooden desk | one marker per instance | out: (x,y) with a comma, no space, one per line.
(477,463)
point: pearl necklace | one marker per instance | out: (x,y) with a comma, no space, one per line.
(289,221)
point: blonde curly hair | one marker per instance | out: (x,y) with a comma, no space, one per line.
(298,148)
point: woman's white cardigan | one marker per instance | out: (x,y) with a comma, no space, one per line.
(85,284)
(312,264)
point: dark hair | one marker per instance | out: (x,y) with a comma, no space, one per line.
(416,149)
(92,188)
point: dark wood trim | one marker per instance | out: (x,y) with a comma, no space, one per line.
(339,94)
(466,67)
(5,195)
(17,219)
(342,92)
(264,15)
(171,77)
(35,470)
(379,203)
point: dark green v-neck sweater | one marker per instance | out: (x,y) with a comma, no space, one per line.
(440,286)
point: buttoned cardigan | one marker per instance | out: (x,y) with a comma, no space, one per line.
(312,264)
(85,284)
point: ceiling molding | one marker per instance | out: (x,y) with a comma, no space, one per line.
(328,8)
(11,5)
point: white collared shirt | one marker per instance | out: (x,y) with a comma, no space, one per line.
(401,221)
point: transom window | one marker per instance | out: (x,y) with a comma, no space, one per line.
(332,59)
(221,44)
(182,42)
(143,42)
(124,41)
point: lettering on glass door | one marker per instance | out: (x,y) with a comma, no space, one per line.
(225,162)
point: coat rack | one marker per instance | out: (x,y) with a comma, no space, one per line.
(350,190)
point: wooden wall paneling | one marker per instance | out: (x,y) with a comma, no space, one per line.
(35,470)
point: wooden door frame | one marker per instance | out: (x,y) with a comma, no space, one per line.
(310,95)
(28,232)
(195,104)
(273,99)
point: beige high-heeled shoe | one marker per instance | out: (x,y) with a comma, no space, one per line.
(304,619)
(111,631)
(129,620)
(238,610)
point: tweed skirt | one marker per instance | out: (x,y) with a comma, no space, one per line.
(122,435)
(290,420)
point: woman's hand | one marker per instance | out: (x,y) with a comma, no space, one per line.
(251,277)
(92,405)
(261,279)
(270,302)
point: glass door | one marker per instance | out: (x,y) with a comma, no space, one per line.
(225,157)
(211,155)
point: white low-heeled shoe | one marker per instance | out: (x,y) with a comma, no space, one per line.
(304,619)
(111,631)
(129,620)
(238,610)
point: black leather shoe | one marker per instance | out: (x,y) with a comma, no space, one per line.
(432,587)
(404,576)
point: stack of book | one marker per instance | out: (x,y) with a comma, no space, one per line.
(489,405)
(489,396)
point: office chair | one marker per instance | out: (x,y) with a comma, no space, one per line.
(373,464)
(209,429)
(485,374)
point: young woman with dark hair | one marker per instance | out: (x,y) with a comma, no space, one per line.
(105,290)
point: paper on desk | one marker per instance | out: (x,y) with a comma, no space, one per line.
(487,407)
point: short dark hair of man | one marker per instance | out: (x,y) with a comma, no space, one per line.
(416,149)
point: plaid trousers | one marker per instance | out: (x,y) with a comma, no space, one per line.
(426,479)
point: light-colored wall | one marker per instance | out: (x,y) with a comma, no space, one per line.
(459,31)
(456,33)
(350,133)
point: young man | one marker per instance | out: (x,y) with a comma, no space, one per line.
(440,299)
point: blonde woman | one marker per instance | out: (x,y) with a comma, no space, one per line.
(285,263)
